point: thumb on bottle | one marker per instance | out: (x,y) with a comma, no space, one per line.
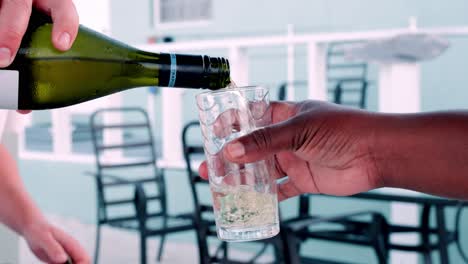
(54,251)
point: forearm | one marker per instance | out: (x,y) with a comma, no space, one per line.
(424,152)
(16,207)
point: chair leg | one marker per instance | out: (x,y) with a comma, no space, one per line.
(278,252)
(291,253)
(98,242)
(442,235)
(203,252)
(142,249)
(161,247)
(381,250)
(382,258)
(425,234)
(225,252)
(380,239)
(161,242)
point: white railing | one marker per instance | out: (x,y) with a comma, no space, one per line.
(237,48)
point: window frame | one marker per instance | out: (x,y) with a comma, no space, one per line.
(157,24)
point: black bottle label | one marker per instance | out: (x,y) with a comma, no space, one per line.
(173,70)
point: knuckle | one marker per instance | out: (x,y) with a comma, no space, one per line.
(64,12)
(72,15)
(12,36)
(262,138)
(277,167)
(23,5)
(303,133)
(12,31)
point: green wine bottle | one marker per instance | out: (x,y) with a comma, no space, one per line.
(42,77)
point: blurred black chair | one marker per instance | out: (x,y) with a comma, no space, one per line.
(203,211)
(347,91)
(434,237)
(347,85)
(347,82)
(136,174)
(366,229)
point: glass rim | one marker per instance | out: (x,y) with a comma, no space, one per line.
(231,89)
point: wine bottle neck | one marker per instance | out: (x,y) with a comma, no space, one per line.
(191,71)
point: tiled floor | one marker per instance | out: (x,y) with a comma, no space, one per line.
(119,247)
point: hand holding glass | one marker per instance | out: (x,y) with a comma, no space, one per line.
(244,195)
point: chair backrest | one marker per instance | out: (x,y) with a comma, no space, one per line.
(193,154)
(347,81)
(125,156)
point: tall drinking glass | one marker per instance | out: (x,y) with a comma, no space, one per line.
(244,195)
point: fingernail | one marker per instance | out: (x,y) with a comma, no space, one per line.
(5,57)
(61,258)
(236,150)
(64,40)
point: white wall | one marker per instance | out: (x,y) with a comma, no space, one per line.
(94,14)
(9,246)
